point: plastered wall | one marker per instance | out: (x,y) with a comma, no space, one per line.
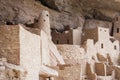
(30,53)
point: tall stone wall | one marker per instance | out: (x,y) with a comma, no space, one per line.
(30,53)
(9,43)
(90,34)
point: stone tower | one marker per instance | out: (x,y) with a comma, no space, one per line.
(116,24)
(116,27)
(44,23)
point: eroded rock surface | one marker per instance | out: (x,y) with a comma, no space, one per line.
(63,12)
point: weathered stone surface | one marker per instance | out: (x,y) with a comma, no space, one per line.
(105,78)
(104,4)
(101,58)
(70,53)
(67,37)
(26,11)
(73,68)
(89,72)
(109,59)
(10,71)
(101,10)
(70,73)
(10,45)
(109,70)
(100,69)
(31,53)
(93,23)
(64,12)
(117,73)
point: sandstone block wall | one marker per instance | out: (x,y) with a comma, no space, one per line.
(100,69)
(70,53)
(9,43)
(62,38)
(90,34)
(67,37)
(70,73)
(117,73)
(22,47)
(89,72)
(117,36)
(116,22)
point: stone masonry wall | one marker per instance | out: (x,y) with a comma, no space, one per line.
(9,43)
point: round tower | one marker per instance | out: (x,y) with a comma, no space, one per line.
(44,23)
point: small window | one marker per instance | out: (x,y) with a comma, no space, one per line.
(9,23)
(115,47)
(117,30)
(47,15)
(49,78)
(67,41)
(35,20)
(116,18)
(57,41)
(101,45)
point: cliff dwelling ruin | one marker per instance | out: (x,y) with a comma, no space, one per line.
(59,40)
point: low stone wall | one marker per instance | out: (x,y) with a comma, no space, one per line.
(11,71)
(70,73)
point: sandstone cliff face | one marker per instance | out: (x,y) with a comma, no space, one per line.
(63,12)
(25,11)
